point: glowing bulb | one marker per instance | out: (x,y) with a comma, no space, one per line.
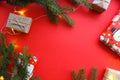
(22,12)
(1,78)
(60,16)
(32,62)
(13,31)
(111,77)
(16,46)
(104,34)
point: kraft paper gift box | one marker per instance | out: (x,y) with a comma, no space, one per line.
(100,5)
(19,23)
(111,74)
(111,36)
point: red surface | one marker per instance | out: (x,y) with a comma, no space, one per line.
(60,48)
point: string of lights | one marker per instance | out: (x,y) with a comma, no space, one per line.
(22,13)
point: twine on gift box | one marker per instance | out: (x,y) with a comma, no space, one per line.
(18,24)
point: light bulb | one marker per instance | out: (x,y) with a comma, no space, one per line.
(22,12)
(13,31)
(1,78)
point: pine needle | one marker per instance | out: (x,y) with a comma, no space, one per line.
(74,77)
(93,74)
(84,2)
(81,74)
(68,20)
(35,78)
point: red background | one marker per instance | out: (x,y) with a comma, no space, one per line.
(60,48)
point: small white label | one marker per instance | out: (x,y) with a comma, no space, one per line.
(116,36)
(116,18)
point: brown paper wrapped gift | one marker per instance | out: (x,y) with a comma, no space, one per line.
(100,5)
(19,23)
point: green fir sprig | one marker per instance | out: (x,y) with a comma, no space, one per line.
(93,75)
(35,78)
(9,57)
(54,10)
(84,2)
(81,75)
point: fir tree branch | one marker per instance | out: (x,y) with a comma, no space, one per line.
(35,78)
(4,58)
(68,20)
(19,71)
(25,57)
(93,74)
(74,77)
(68,8)
(3,44)
(15,74)
(84,2)
(23,67)
(53,8)
(20,2)
(81,74)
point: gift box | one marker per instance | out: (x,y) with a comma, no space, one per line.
(111,74)
(19,23)
(100,5)
(111,36)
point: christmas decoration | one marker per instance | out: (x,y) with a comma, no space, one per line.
(111,74)
(101,5)
(81,75)
(30,66)
(53,8)
(84,2)
(55,12)
(22,64)
(111,36)
(1,78)
(19,23)
(20,12)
